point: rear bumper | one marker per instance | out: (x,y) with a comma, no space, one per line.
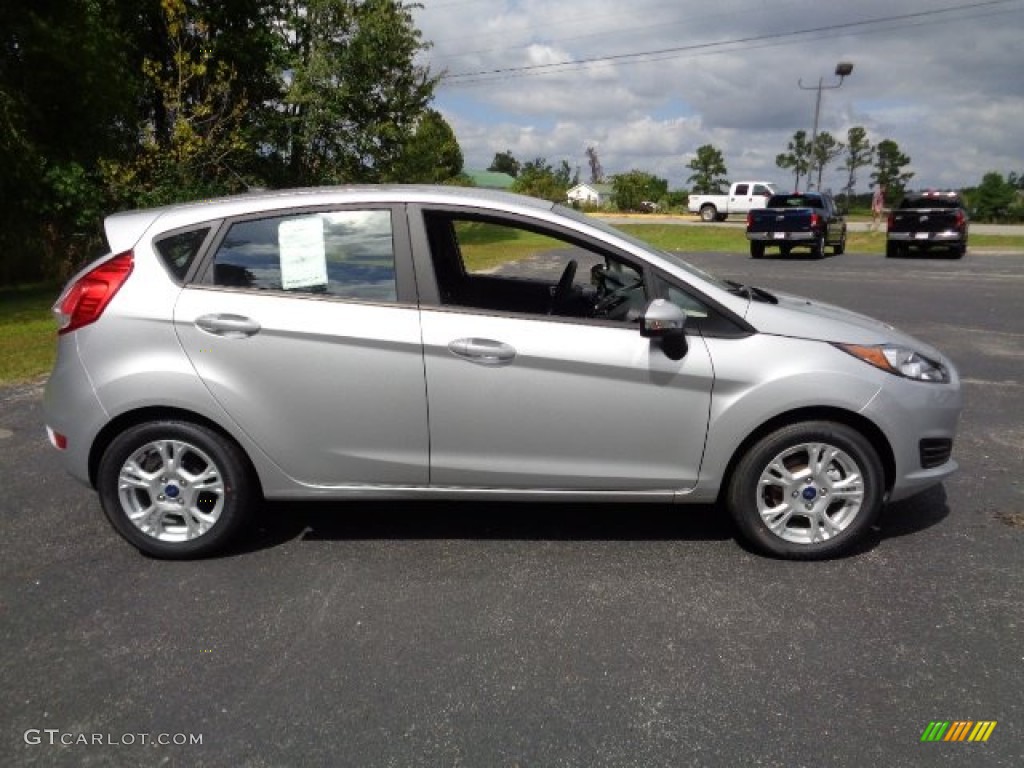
(782,237)
(948,236)
(72,409)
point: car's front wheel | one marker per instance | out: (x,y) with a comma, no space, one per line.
(807,491)
(174,489)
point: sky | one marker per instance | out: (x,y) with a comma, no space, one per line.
(647,82)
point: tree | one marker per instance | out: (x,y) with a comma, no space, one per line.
(192,150)
(798,158)
(596,171)
(503,162)
(889,165)
(355,91)
(432,154)
(636,187)
(709,172)
(824,150)
(539,179)
(994,198)
(859,154)
(67,98)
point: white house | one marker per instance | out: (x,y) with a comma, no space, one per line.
(598,195)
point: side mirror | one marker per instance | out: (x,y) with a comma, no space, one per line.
(665,321)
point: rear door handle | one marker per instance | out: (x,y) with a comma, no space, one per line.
(483,351)
(228,326)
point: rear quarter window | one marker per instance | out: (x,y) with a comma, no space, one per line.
(179,250)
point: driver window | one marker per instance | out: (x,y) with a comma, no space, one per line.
(502,266)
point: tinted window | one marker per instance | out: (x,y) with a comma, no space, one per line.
(348,254)
(741,189)
(931,202)
(179,251)
(795,201)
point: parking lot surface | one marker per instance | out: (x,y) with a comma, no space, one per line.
(409,634)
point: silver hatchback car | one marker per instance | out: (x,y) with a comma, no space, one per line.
(399,342)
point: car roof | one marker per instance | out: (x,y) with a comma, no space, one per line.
(126,228)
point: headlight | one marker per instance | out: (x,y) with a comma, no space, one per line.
(901,361)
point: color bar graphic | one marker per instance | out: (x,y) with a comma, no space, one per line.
(958,730)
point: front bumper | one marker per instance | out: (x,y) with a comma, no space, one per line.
(920,421)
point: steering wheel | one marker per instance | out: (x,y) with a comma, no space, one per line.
(615,299)
(561,291)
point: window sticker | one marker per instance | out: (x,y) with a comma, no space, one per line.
(303,252)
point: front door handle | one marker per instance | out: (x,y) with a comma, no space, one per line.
(228,326)
(483,351)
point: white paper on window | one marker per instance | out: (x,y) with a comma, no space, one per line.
(303,252)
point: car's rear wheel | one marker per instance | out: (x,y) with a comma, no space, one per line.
(807,491)
(708,213)
(840,248)
(756,250)
(892,251)
(174,489)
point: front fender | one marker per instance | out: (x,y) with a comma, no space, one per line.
(760,378)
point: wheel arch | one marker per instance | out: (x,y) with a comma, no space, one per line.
(864,426)
(147,414)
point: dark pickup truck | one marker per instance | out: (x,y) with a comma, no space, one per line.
(926,221)
(809,220)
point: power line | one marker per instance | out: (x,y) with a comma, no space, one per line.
(562,66)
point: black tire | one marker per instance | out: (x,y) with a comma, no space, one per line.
(756,250)
(834,493)
(840,248)
(958,251)
(892,251)
(818,248)
(198,505)
(708,213)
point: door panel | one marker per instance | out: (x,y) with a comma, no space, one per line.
(561,405)
(331,390)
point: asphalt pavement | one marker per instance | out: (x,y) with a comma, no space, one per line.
(459,634)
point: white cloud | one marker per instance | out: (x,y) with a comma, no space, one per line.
(945,86)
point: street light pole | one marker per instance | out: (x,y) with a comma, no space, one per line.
(843,68)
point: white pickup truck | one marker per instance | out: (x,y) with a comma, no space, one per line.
(743,196)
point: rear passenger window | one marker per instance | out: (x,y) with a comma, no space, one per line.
(348,254)
(179,251)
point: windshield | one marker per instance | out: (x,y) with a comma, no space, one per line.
(675,260)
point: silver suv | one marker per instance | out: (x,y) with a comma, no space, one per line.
(397,342)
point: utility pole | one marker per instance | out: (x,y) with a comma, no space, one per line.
(843,68)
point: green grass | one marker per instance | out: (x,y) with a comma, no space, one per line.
(28,338)
(485,246)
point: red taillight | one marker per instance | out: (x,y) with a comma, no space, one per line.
(57,440)
(84,302)
(750,219)
(815,220)
(889,222)
(960,219)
